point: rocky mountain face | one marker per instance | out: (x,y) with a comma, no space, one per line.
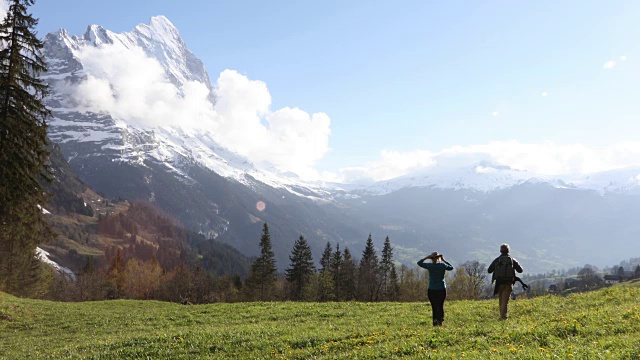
(464,211)
(185,172)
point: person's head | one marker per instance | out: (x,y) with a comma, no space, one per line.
(504,249)
(435,256)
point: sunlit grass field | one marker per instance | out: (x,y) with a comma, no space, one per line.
(604,324)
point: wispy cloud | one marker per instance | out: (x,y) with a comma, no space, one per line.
(614,63)
(544,159)
(133,87)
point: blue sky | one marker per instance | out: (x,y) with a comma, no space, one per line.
(405,80)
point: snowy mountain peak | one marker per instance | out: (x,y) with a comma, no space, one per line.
(161,32)
(129,97)
(97,35)
(101,109)
(161,25)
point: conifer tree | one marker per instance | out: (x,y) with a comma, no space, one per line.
(23,152)
(349,273)
(336,271)
(262,276)
(636,274)
(393,294)
(325,279)
(326,257)
(368,273)
(389,277)
(300,269)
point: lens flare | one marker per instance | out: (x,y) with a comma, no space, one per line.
(260,205)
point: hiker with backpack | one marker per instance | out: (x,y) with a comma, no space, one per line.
(504,269)
(437,291)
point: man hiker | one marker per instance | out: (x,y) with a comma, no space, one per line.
(504,269)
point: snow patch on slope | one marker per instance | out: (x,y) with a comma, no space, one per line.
(43,256)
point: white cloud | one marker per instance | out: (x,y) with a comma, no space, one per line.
(131,86)
(391,164)
(542,159)
(293,139)
(609,64)
(484,169)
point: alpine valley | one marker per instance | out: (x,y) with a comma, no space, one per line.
(464,211)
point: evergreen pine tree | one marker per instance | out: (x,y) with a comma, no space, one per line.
(349,273)
(23,151)
(336,271)
(326,257)
(300,269)
(262,276)
(325,279)
(393,293)
(368,273)
(636,274)
(389,277)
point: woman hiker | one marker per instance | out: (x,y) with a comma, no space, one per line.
(437,291)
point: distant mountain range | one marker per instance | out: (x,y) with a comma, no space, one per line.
(465,211)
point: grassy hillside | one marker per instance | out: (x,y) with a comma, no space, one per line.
(603,324)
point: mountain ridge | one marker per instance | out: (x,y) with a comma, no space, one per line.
(214,190)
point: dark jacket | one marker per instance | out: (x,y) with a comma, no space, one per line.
(436,273)
(492,267)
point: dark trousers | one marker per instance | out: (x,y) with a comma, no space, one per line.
(436,298)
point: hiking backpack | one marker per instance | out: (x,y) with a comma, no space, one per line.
(504,268)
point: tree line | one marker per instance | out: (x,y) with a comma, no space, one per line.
(125,273)
(339,276)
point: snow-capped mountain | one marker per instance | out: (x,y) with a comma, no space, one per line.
(87,129)
(125,144)
(487,177)
(123,149)
(481,177)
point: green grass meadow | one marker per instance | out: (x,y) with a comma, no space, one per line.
(604,324)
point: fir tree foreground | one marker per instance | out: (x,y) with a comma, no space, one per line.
(604,324)
(23,152)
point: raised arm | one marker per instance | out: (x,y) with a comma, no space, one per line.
(448,266)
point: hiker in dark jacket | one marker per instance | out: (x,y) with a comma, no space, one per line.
(437,291)
(503,269)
